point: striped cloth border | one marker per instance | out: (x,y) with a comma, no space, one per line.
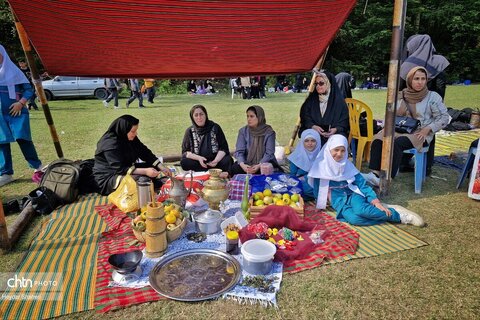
(67,243)
(448,142)
(377,240)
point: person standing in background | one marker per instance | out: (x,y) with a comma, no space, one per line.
(15,91)
(112,85)
(135,88)
(345,82)
(150,87)
(26,70)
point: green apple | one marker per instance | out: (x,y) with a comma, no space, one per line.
(295,197)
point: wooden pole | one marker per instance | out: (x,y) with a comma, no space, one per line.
(4,241)
(399,10)
(311,87)
(27,49)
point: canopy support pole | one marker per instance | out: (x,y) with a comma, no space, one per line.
(27,49)
(398,26)
(311,87)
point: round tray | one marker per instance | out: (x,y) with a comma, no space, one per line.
(195,275)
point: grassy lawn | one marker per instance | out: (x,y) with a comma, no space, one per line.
(441,280)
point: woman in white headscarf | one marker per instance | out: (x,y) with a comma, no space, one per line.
(335,178)
(15,90)
(302,158)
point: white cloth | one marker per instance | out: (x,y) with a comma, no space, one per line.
(326,168)
(303,158)
(10,74)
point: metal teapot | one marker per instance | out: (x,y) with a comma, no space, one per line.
(214,189)
(178,192)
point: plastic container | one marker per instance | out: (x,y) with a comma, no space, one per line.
(258,256)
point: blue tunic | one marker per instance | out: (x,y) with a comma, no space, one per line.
(13,128)
(302,176)
(354,208)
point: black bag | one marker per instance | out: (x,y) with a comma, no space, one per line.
(44,200)
(404,124)
(86,182)
(62,178)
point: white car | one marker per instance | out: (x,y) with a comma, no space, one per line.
(73,87)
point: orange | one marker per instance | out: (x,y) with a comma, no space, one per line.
(170,218)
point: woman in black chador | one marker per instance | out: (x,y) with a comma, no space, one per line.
(325,110)
(117,153)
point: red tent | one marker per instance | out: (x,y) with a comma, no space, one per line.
(180,39)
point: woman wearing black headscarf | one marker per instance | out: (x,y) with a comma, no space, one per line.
(117,152)
(204,144)
(255,144)
(325,110)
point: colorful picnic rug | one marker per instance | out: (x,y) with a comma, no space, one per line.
(67,247)
(344,245)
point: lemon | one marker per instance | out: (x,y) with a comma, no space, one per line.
(279,202)
(169,208)
(232,235)
(267,192)
(170,218)
(176,213)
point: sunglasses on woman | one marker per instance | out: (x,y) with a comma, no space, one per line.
(321,83)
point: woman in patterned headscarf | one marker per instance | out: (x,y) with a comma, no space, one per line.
(255,144)
(204,144)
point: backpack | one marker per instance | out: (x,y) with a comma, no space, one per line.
(62,177)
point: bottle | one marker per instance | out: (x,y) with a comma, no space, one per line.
(244,205)
(231,241)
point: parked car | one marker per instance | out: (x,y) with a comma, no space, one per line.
(74,87)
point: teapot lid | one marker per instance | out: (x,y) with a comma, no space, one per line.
(208,216)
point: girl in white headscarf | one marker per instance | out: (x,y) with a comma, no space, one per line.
(15,90)
(335,178)
(302,158)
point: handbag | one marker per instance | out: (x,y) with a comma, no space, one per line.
(43,200)
(125,197)
(404,124)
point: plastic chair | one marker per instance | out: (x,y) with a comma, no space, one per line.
(420,166)
(468,166)
(362,148)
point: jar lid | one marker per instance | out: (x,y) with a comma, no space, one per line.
(208,216)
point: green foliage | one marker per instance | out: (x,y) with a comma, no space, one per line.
(363,43)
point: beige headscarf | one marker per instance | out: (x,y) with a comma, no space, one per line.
(411,96)
(257,148)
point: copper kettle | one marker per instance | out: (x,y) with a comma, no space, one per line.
(178,192)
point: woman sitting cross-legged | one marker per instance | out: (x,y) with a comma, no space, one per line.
(118,151)
(302,158)
(204,144)
(255,144)
(334,177)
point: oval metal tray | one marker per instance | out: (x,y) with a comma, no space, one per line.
(195,275)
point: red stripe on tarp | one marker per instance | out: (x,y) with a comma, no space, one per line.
(180,39)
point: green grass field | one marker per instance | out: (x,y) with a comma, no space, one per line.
(439,281)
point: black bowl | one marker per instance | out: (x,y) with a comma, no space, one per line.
(125,262)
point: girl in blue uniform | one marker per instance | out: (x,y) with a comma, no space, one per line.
(15,90)
(302,158)
(335,178)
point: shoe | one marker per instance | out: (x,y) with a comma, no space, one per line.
(371,178)
(116,107)
(127,105)
(5,179)
(142,106)
(105,103)
(37,176)
(408,217)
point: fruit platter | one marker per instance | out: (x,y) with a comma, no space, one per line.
(175,218)
(260,200)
